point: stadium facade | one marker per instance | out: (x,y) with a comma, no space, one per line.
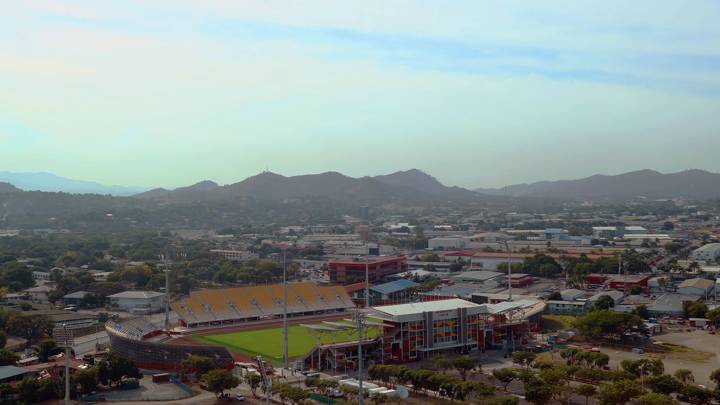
(142,342)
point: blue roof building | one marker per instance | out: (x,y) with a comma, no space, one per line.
(392,292)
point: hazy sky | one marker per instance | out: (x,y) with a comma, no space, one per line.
(477,93)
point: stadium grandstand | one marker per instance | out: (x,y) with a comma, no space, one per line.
(230,306)
(142,341)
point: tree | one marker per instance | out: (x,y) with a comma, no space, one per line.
(618,392)
(442,363)
(606,323)
(604,302)
(695,395)
(30,326)
(713,316)
(636,290)
(538,392)
(587,391)
(664,384)
(684,375)
(197,365)
(643,367)
(3,339)
(715,376)
(525,359)
(253,380)
(27,389)
(8,358)
(653,398)
(219,380)
(505,376)
(87,379)
(47,348)
(694,309)
(112,370)
(463,365)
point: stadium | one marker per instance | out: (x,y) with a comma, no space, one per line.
(238,324)
(233,324)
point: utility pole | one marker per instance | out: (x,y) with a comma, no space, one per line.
(286,357)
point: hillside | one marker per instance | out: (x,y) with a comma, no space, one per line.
(697,184)
(7,188)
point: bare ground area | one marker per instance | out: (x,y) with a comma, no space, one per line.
(698,351)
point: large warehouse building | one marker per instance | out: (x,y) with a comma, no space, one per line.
(229,306)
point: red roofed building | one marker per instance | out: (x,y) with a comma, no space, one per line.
(353,271)
(618,281)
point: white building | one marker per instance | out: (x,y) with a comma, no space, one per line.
(138,302)
(447,243)
(39,293)
(707,253)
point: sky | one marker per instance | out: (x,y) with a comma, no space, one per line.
(476,93)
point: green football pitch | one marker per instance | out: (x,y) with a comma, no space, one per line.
(269,342)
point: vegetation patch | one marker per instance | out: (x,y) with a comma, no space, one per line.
(557,322)
(681,352)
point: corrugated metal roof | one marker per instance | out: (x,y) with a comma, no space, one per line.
(11,371)
(394,286)
(427,306)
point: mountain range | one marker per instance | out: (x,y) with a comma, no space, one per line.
(42,181)
(402,186)
(694,184)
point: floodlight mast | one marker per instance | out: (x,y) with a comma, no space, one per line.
(286,357)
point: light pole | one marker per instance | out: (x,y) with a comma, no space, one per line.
(367,282)
(64,337)
(286,358)
(509,271)
(360,358)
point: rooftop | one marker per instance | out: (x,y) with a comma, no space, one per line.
(77,295)
(427,306)
(697,283)
(137,294)
(11,371)
(480,275)
(394,286)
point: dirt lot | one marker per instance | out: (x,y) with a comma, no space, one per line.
(702,358)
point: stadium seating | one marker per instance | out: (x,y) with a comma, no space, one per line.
(249,303)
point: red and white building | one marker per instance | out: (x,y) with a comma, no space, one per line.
(353,271)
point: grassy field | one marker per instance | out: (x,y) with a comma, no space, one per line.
(269,342)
